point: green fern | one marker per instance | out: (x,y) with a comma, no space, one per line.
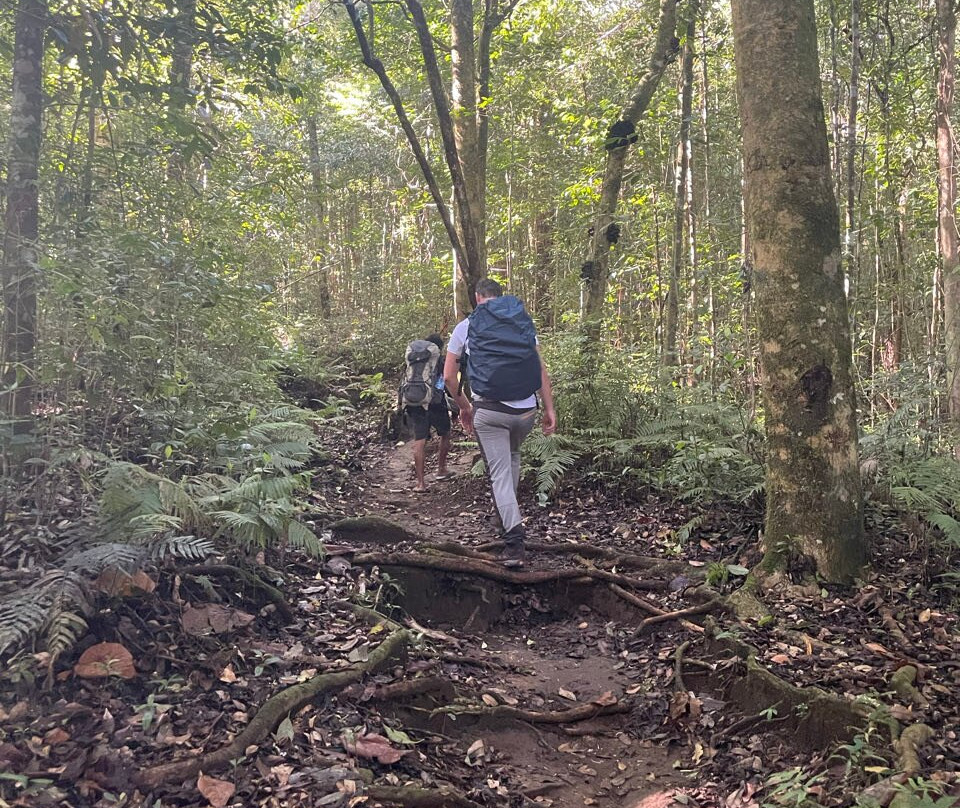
(39,611)
(551,456)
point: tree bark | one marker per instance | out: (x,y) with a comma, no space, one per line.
(947,201)
(181,73)
(466,135)
(596,270)
(319,263)
(681,208)
(814,498)
(377,66)
(21,270)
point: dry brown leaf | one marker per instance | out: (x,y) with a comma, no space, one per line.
(105,659)
(228,675)
(662,799)
(372,747)
(605,699)
(780,659)
(115,582)
(213,619)
(566,694)
(489,700)
(56,735)
(925,615)
(217,792)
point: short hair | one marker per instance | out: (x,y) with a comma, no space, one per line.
(436,339)
(487,287)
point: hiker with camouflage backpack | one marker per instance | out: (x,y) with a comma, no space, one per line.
(424,403)
(505,372)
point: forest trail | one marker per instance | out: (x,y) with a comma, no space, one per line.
(547,652)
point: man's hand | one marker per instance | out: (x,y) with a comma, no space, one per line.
(466,419)
(549,422)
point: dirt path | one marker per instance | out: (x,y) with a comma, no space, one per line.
(553,651)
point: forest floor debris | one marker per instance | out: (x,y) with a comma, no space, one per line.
(560,690)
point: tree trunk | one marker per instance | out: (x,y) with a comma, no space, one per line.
(181,73)
(671,321)
(947,200)
(466,134)
(814,498)
(319,263)
(21,271)
(596,269)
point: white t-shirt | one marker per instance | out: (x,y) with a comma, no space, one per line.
(458,344)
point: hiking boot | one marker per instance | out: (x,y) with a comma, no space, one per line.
(513,554)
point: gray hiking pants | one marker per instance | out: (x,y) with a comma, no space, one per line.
(500,435)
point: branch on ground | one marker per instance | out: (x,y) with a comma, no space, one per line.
(269,716)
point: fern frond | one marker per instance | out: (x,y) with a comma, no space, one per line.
(190,548)
(301,537)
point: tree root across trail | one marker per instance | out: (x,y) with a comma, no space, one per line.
(485,569)
(273,711)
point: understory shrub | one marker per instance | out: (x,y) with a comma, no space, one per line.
(623,419)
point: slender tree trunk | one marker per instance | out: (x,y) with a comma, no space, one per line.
(319,262)
(21,270)
(681,206)
(814,498)
(947,201)
(853,108)
(181,73)
(596,269)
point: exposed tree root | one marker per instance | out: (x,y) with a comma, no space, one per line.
(465,659)
(819,718)
(413,687)
(613,557)
(483,569)
(702,608)
(746,722)
(269,592)
(370,616)
(269,716)
(583,712)
(908,747)
(903,683)
(647,606)
(416,797)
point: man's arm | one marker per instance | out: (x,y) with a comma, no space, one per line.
(451,373)
(549,421)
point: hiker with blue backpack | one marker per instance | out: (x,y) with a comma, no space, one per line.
(505,372)
(424,403)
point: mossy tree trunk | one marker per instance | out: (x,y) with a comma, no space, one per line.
(596,269)
(814,496)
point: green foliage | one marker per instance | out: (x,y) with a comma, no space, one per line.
(52,609)
(623,421)
(907,458)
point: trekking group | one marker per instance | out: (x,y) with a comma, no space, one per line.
(494,354)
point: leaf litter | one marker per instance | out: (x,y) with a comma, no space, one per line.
(202,669)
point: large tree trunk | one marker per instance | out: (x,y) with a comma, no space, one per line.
(596,269)
(814,498)
(21,269)
(947,200)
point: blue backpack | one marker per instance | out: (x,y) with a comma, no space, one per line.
(503,364)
